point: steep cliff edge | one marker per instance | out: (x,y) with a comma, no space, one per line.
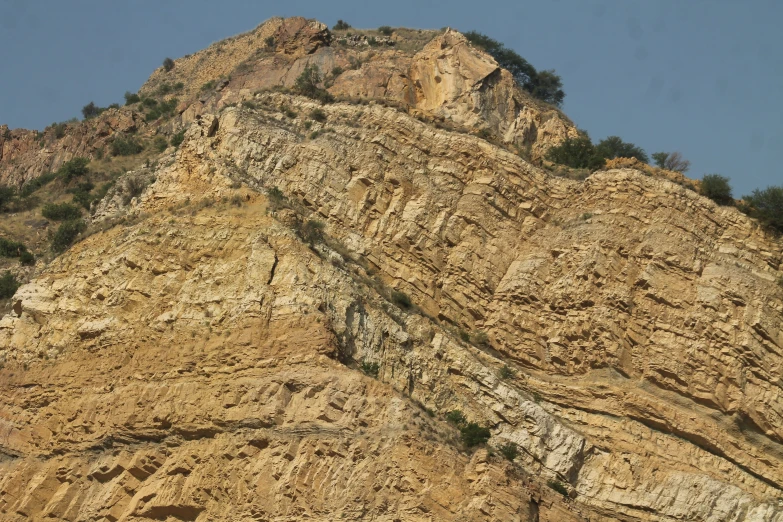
(201,362)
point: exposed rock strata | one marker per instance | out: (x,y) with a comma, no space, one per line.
(644,322)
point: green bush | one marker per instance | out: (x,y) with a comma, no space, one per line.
(545,85)
(385,30)
(472,434)
(131,98)
(66,234)
(178,138)
(558,486)
(766,206)
(401,299)
(159,110)
(580,153)
(9,248)
(336,71)
(341,26)
(168,64)
(277,199)
(27,258)
(269,41)
(60,211)
(613,147)
(8,285)
(717,188)
(7,195)
(125,146)
(370,369)
(456,417)
(318,115)
(509,450)
(59,129)
(75,168)
(507,372)
(307,84)
(91,111)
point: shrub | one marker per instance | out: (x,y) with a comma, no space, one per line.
(766,206)
(480,338)
(34,184)
(545,85)
(717,188)
(27,258)
(60,211)
(401,299)
(318,115)
(9,248)
(125,147)
(8,285)
(159,143)
(370,369)
(277,199)
(341,26)
(509,450)
(312,232)
(614,147)
(472,434)
(74,168)
(168,64)
(336,71)
(164,108)
(66,234)
(307,85)
(7,195)
(131,98)
(134,187)
(575,152)
(671,161)
(178,138)
(507,372)
(208,85)
(456,417)
(385,30)
(558,486)
(91,111)
(59,129)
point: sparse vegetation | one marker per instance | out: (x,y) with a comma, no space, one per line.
(178,138)
(131,98)
(318,115)
(158,110)
(671,161)
(480,338)
(60,211)
(546,85)
(456,417)
(307,84)
(509,450)
(558,486)
(507,372)
(8,285)
(385,30)
(66,234)
(336,71)
(401,299)
(75,168)
(168,64)
(717,188)
(473,434)
(277,199)
(370,368)
(159,143)
(580,153)
(269,41)
(766,206)
(312,232)
(91,111)
(341,26)
(125,146)
(9,248)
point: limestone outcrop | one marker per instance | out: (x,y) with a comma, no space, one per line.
(201,357)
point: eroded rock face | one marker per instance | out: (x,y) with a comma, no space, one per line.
(193,364)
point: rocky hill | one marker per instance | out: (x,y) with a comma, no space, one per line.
(281,325)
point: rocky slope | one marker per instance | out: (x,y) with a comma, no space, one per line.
(201,362)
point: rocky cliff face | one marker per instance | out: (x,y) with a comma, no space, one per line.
(201,362)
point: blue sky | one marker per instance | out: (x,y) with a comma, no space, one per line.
(701,77)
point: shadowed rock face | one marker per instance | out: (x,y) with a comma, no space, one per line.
(200,362)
